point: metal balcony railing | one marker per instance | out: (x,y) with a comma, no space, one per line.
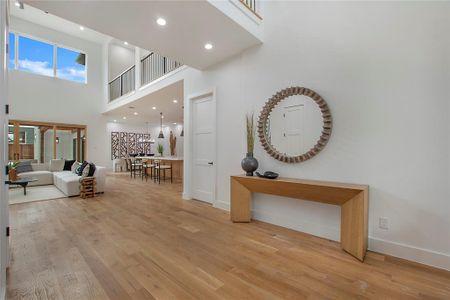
(122,84)
(154,66)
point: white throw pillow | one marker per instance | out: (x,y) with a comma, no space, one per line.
(56,165)
(86,171)
(75,166)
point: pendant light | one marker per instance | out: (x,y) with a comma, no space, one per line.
(161,134)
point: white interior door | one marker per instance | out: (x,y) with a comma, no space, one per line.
(203,148)
(293,129)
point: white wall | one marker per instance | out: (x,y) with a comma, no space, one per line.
(41,98)
(383,68)
(120,58)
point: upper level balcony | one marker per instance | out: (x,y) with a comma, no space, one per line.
(150,67)
(229,26)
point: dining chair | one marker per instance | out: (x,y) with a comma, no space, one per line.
(147,166)
(160,167)
(129,166)
(136,164)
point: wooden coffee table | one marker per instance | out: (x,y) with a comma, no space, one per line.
(23,182)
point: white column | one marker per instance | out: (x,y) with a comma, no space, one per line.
(105,71)
(137,68)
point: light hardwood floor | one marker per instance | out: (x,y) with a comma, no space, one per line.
(142,241)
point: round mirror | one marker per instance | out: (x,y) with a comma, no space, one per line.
(294,125)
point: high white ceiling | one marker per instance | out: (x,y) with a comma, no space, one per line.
(190,24)
(40,17)
(161,99)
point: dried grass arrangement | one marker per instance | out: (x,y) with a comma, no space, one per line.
(172,143)
(251,131)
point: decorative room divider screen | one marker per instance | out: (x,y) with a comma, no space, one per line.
(124,144)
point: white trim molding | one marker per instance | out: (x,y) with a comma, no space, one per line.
(222,205)
(188,164)
(424,256)
(185,196)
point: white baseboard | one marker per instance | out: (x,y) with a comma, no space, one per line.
(185,196)
(408,252)
(420,255)
(222,205)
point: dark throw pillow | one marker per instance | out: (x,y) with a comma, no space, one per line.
(68,165)
(24,166)
(91,170)
(81,168)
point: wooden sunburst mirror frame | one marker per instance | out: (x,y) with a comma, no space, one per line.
(269,106)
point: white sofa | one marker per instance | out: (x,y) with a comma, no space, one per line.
(41,172)
(66,181)
(69,182)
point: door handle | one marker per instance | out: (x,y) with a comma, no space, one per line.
(211,163)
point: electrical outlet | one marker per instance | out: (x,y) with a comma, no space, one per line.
(383,223)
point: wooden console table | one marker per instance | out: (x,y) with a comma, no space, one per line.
(352,198)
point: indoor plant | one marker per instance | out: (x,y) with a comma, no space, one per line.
(12,172)
(249,164)
(160,149)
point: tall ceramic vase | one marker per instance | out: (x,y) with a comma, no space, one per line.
(249,164)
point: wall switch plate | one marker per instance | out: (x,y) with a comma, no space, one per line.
(383,223)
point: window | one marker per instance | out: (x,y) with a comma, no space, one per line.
(35,56)
(12,50)
(47,59)
(71,65)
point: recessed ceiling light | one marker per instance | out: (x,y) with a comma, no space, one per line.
(125,43)
(115,121)
(161,22)
(135,113)
(81,28)
(154,107)
(175,101)
(124,118)
(208,46)
(17,4)
(174,123)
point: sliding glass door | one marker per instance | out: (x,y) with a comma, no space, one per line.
(41,142)
(70,143)
(30,142)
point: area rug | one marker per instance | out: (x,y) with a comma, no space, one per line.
(34,193)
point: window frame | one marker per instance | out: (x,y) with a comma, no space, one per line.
(17,38)
(74,50)
(18,34)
